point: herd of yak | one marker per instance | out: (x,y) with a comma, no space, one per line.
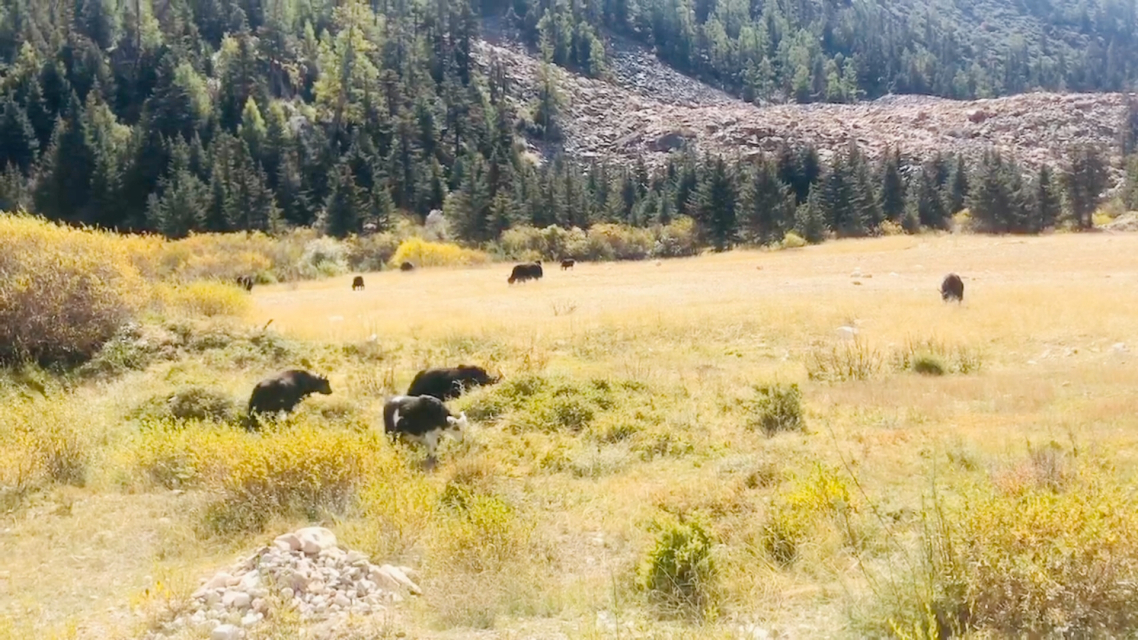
(421,415)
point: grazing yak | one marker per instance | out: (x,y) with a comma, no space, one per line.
(358,283)
(527,271)
(422,419)
(568,263)
(952,288)
(246,282)
(406,266)
(447,383)
(283,392)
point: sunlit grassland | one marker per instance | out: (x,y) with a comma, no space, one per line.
(626,404)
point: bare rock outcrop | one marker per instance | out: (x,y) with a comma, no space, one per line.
(646,110)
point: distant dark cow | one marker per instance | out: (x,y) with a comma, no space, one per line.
(447,383)
(406,266)
(568,264)
(358,283)
(527,271)
(422,419)
(246,281)
(283,392)
(952,288)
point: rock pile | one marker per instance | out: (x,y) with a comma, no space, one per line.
(305,570)
(647,109)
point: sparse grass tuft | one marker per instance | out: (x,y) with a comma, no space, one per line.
(848,360)
(792,241)
(41,442)
(777,408)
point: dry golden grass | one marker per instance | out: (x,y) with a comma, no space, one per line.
(628,401)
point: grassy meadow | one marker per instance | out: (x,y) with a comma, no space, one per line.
(808,441)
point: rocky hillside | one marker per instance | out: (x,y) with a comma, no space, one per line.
(648,109)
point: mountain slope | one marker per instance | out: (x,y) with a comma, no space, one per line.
(648,110)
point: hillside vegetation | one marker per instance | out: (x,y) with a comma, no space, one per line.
(698,448)
(179,117)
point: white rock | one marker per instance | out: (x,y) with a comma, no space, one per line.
(259,605)
(251,618)
(287,593)
(218,581)
(355,558)
(226,632)
(410,573)
(288,542)
(341,601)
(236,600)
(313,540)
(401,578)
(382,579)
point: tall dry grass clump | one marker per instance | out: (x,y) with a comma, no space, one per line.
(41,442)
(64,292)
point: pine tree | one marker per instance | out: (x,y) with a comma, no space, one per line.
(346,206)
(180,208)
(14,192)
(810,217)
(469,210)
(925,200)
(765,205)
(18,143)
(1084,181)
(892,187)
(714,205)
(956,191)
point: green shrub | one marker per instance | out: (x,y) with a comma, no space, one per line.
(934,357)
(819,501)
(198,403)
(1027,559)
(928,365)
(678,572)
(777,408)
(677,239)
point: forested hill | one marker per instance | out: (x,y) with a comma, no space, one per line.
(220,115)
(843,50)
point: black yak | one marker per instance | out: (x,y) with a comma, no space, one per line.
(952,288)
(523,272)
(358,283)
(422,419)
(447,383)
(283,391)
(567,263)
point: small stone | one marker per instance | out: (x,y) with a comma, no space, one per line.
(260,605)
(287,593)
(401,578)
(218,581)
(236,600)
(355,558)
(382,579)
(313,540)
(250,619)
(226,632)
(288,542)
(341,601)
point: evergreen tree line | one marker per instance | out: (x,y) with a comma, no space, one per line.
(215,115)
(812,50)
